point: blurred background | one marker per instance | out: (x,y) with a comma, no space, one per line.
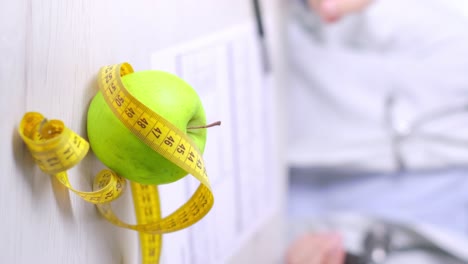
(377,103)
(347,118)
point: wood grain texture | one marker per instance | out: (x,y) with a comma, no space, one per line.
(52,51)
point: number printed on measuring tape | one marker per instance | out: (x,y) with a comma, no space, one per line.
(56,149)
(148,126)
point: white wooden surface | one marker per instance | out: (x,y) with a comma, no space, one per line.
(51,51)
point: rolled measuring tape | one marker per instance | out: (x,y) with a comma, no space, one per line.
(55,149)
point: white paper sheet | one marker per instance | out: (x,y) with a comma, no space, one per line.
(225,69)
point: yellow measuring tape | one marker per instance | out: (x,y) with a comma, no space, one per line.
(55,148)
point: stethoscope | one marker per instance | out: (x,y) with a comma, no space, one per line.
(378,239)
(400,134)
(382,239)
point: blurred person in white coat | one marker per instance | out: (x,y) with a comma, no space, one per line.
(378,132)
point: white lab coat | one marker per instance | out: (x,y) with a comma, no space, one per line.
(360,89)
(378,114)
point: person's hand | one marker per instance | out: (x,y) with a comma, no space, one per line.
(333,10)
(323,248)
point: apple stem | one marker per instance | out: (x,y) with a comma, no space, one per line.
(217,123)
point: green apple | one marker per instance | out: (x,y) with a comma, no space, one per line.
(120,150)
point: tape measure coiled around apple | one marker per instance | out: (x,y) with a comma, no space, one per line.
(55,149)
